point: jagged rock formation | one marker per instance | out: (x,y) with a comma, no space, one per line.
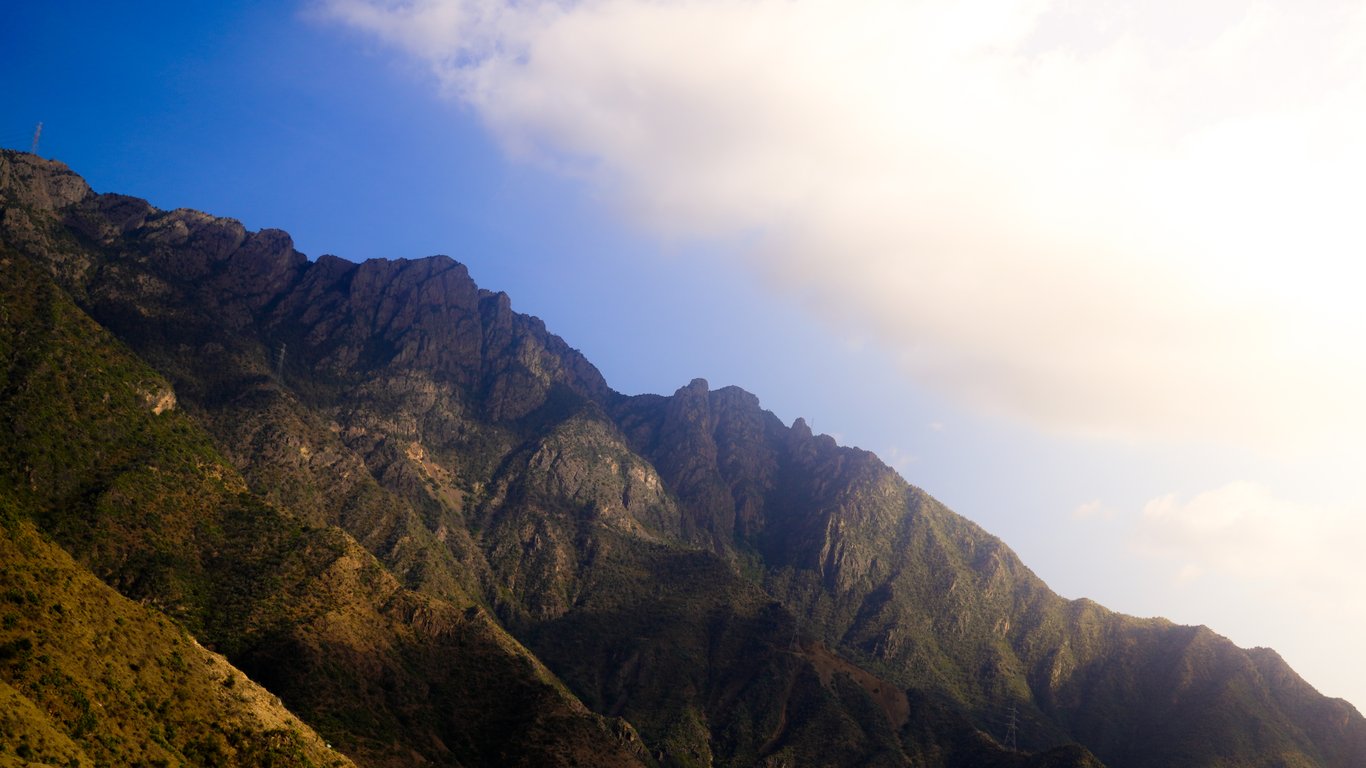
(433,530)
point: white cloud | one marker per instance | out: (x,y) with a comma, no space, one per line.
(1093,510)
(1265,570)
(1130,219)
(899,459)
(1304,554)
(1103,217)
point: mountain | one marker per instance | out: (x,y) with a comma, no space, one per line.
(434,531)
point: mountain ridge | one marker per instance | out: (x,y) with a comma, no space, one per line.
(485,462)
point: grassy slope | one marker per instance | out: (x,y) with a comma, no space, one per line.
(136,490)
(90,678)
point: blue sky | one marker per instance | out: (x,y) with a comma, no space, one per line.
(1068,291)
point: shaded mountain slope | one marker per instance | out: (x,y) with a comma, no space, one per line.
(101,457)
(742,592)
(89,678)
(891,578)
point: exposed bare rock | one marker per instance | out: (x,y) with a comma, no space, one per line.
(33,182)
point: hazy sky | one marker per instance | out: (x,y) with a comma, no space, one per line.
(1086,271)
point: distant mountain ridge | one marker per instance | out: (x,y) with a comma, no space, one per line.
(469,509)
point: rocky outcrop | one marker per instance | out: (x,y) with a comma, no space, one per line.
(29,181)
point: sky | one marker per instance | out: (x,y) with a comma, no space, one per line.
(1085,271)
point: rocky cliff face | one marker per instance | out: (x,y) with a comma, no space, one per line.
(141,497)
(672,580)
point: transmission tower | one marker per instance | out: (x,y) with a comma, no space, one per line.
(280,363)
(37,134)
(1011,742)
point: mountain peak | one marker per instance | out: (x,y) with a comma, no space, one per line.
(36,182)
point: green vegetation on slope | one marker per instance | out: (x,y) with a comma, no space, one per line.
(103,462)
(89,678)
(424,460)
